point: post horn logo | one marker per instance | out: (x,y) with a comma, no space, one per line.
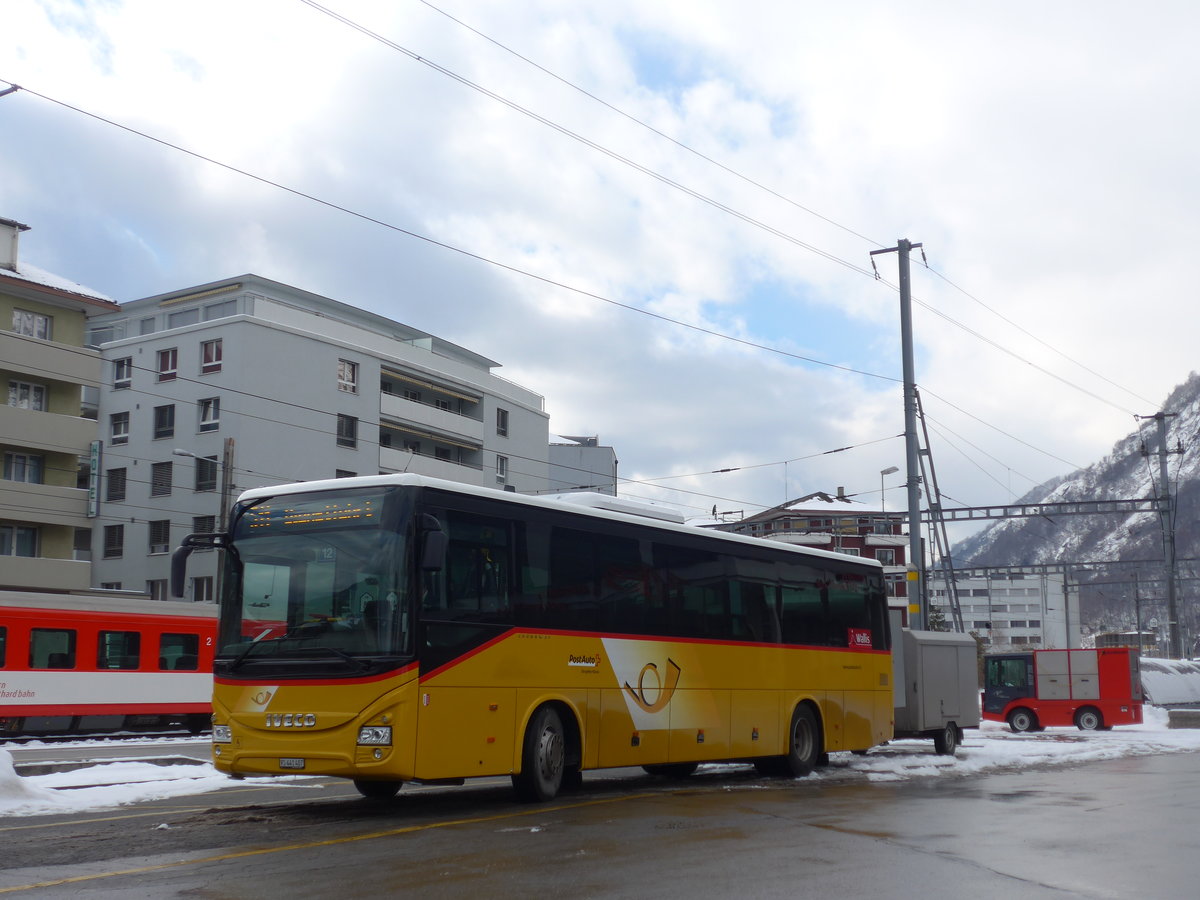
(664,691)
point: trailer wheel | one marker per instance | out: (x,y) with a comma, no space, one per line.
(946,741)
(1089,719)
(543,758)
(377,790)
(1022,719)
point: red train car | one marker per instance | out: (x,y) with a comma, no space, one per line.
(74,663)
(1090,689)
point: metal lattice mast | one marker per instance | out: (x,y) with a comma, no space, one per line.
(937,522)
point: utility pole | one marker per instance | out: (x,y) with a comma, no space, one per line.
(916,592)
(223,512)
(1166,512)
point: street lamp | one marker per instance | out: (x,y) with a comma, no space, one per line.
(890,470)
(225,495)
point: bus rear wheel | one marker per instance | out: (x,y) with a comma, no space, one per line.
(1089,719)
(803,742)
(1022,720)
(543,757)
(377,790)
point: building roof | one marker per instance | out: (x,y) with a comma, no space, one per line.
(54,286)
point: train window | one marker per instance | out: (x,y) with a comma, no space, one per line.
(3,645)
(179,651)
(52,648)
(118,650)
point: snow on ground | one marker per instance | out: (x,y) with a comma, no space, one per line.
(991,748)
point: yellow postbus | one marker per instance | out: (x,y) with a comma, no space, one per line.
(400,628)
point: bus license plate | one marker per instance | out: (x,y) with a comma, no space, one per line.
(291,762)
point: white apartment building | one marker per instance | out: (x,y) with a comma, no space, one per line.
(1012,610)
(246,382)
(582,463)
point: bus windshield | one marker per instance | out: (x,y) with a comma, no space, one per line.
(319,578)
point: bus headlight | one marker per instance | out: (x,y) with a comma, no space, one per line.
(222,734)
(375,736)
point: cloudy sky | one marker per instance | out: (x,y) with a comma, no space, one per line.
(557,185)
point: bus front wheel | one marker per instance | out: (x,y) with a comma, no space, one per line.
(803,742)
(543,757)
(1022,720)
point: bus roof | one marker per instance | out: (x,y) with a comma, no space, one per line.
(584,509)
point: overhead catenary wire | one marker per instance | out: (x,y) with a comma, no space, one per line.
(592,295)
(774,193)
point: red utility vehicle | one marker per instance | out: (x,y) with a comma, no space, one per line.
(1090,689)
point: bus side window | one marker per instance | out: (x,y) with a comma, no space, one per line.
(803,614)
(477,577)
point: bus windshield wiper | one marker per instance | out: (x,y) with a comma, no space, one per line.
(343,655)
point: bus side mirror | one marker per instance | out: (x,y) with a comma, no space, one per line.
(434,544)
(180,557)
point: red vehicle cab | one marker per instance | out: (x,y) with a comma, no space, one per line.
(1090,689)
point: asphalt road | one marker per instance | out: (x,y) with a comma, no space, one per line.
(1123,828)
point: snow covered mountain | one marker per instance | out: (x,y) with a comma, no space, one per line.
(1124,474)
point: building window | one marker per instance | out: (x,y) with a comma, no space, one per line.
(110,585)
(443,404)
(1035,623)
(342,473)
(183,318)
(347,376)
(202,589)
(168,364)
(160,479)
(114,541)
(160,535)
(886,557)
(122,373)
(27,395)
(164,421)
(210,356)
(501,469)
(411,446)
(32,324)
(502,422)
(206,473)
(119,428)
(114,485)
(24,467)
(18,540)
(347,431)
(204,525)
(210,413)
(410,394)
(157,589)
(442,453)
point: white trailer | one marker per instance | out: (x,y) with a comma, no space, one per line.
(936,678)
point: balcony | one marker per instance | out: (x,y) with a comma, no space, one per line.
(460,428)
(46,431)
(45,574)
(34,357)
(395,460)
(43,504)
